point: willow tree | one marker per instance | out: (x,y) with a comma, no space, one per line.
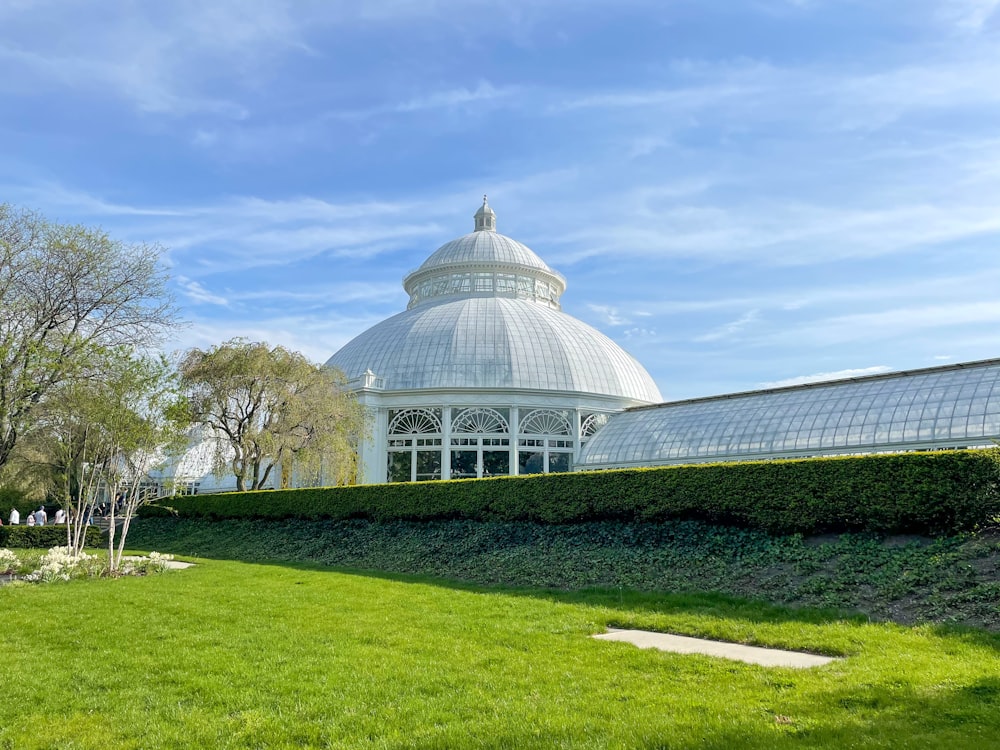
(65,292)
(271,410)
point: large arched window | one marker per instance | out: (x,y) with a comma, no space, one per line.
(480,443)
(414,445)
(544,442)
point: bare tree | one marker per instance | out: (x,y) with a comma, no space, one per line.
(272,407)
(64,291)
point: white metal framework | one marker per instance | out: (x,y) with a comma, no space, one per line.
(953,406)
(481,441)
(483,374)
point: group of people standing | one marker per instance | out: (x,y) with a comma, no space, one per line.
(36,518)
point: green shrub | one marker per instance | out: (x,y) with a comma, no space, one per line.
(43,537)
(926,493)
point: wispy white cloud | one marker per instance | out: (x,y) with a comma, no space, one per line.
(646,145)
(196,293)
(892,323)
(484,91)
(815,98)
(139,81)
(609,315)
(162,60)
(250,232)
(461,97)
(57,198)
(730,329)
(786,230)
(822,376)
(317,336)
(970,16)
(631,334)
(323,294)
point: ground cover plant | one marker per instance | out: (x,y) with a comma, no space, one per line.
(907,579)
(235,655)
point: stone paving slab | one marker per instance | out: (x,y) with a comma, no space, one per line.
(682,644)
(169,564)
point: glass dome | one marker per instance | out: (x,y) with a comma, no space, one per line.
(494,343)
(484,313)
(485,263)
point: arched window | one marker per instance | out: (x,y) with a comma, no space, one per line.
(592,423)
(414,450)
(480,443)
(415,422)
(480,421)
(545,422)
(545,442)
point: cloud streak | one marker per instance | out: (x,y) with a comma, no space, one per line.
(824,376)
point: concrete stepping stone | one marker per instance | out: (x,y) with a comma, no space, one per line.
(682,644)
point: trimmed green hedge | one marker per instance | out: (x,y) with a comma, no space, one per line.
(925,493)
(44,537)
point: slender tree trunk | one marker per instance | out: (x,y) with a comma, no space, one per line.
(130,501)
(266,475)
(256,474)
(111,539)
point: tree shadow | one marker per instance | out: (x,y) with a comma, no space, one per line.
(834,713)
(625,604)
(316,546)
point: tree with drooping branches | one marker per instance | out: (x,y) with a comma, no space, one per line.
(273,410)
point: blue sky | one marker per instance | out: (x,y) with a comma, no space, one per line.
(740,192)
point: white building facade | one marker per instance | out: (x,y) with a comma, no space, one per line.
(483,374)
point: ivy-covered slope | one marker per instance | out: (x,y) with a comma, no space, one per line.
(906,579)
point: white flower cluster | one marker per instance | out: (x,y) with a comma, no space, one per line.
(137,566)
(8,561)
(156,560)
(60,564)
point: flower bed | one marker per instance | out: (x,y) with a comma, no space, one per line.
(59,564)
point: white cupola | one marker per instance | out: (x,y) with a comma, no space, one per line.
(486,218)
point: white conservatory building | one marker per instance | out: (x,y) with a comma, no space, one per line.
(483,374)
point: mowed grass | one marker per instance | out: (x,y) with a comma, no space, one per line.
(236,655)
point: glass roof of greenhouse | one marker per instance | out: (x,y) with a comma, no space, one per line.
(951,406)
(484,313)
(495,343)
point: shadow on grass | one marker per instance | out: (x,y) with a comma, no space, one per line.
(874,708)
(600,566)
(632,605)
(635,604)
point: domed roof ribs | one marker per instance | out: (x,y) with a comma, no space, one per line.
(484,263)
(484,314)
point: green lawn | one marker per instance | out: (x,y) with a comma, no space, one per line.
(238,655)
